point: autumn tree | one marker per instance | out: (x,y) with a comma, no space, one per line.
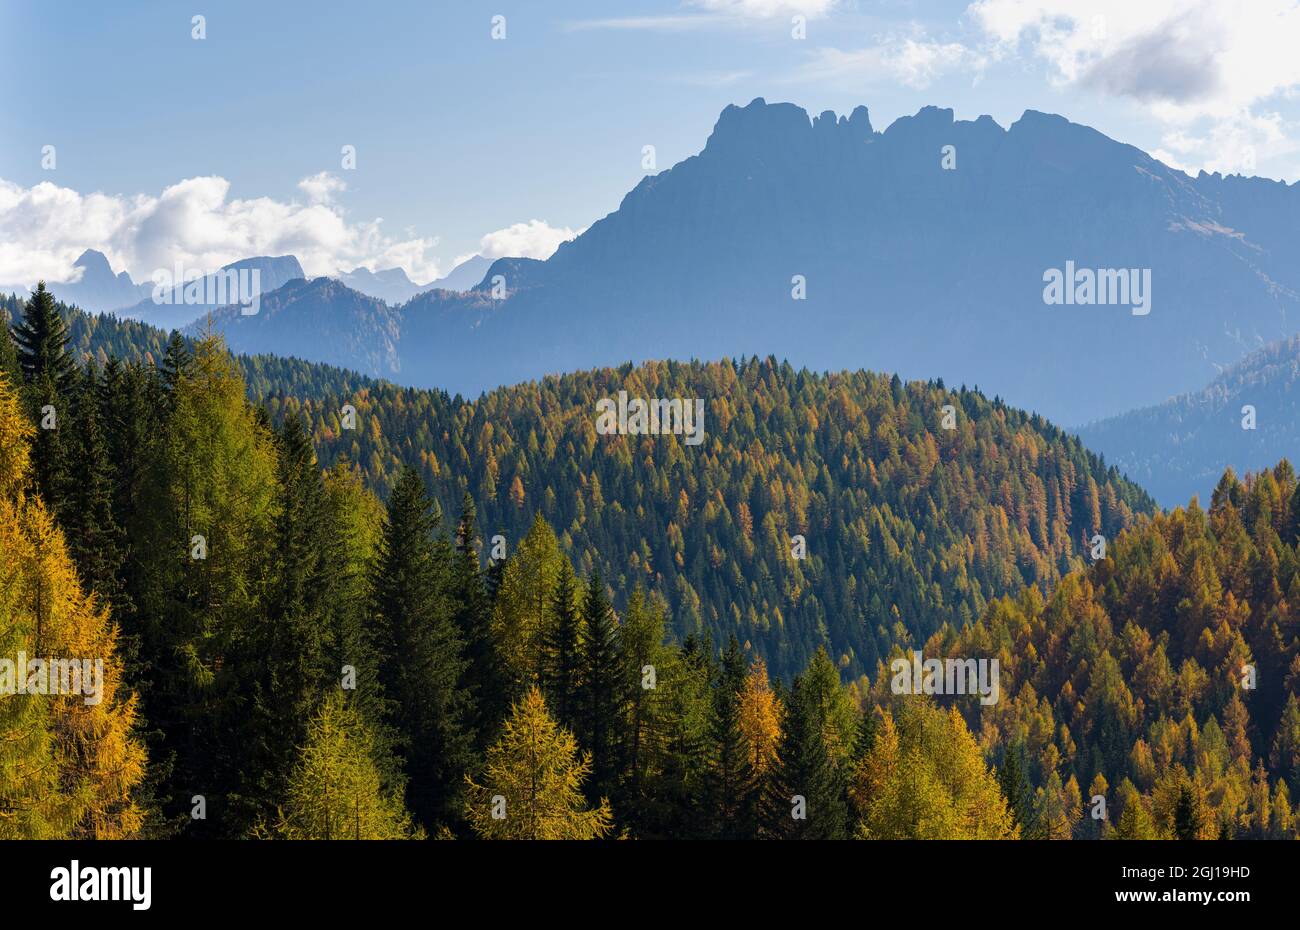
(532,783)
(335,791)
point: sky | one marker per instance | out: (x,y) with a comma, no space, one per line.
(134,129)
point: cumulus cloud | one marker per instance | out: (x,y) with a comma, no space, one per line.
(534,239)
(194,222)
(1187,58)
(1206,70)
(321,187)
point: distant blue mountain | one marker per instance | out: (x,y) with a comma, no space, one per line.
(97,288)
(173,311)
(390,285)
(1181,447)
(465,276)
(393,287)
(914,257)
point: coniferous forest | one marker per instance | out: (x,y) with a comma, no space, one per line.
(326,607)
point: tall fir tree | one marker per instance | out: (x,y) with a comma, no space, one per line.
(561,656)
(421,655)
(281,664)
(50,375)
(730,775)
(472,612)
(599,690)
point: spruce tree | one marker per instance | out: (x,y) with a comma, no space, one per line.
(281,666)
(599,691)
(472,613)
(730,775)
(561,649)
(810,787)
(421,658)
(50,375)
(86,509)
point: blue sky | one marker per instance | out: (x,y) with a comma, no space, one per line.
(169,148)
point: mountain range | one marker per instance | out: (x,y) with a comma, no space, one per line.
(927,249)
(96,288)
(394,287)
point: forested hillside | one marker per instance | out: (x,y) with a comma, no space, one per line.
(907,525)
(286,656)
(1164,678)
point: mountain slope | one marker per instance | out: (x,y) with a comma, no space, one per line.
(1181,447)
(174,308)
(907,266)
(908,526)
(322,320)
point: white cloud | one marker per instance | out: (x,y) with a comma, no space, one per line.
(1184,58)
(1232,146)
(534,239)
(913,62)
(1207,71)
(322,186)
(194,222)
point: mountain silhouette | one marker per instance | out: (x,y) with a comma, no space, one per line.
(922,249)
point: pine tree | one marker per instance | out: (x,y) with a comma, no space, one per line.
(680,786)
(532,784)
(176,363)
(85,509)
(42,342)
(730,778)
(472,612)
(810,787)
(281,663)
(206,542)
(561,648)
(1013,779)
(50,374)
(925,778)
(599,690)
(32,802)
(335,791)
(1189,819)
(421,656)
(9,364)
(643,658)
(353,526)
